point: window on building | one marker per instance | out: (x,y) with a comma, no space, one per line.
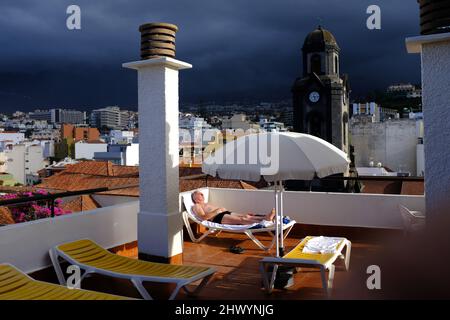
(316,64)
(336,65)
(344,127)
(314,124)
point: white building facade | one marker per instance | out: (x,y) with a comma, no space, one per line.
(120,137)
(238,121)
(13,137)
(375,111)
(109,117)
(120,154)
(86,151)
(396,144)
(25,161)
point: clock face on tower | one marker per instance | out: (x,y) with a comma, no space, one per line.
(314,96)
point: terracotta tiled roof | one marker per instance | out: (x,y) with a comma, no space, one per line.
(190,184)
(92,174)
(81,203)
(189,171)
(126,192)
(75,181)
(101,168)
(125,171)
(5,216)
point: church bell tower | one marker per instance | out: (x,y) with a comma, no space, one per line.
(321,95)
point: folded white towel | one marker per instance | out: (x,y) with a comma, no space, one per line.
(321,245)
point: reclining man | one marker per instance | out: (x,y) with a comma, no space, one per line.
(221,215)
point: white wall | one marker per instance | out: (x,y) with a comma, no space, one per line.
(132,155)
(119,136)
(320,208)
(436,114)
(35,159)
(15,137)
(3,162)
(393,143)
(87,150)
(25,160)
(26,245)
(420,160)
(16,162)
(48,148)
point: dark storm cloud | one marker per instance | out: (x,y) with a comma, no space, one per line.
(240,49)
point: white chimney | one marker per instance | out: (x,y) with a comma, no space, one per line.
(160,236)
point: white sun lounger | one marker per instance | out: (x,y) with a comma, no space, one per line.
(216,228)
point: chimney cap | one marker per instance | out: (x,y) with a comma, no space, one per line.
(157,40)
(152,25)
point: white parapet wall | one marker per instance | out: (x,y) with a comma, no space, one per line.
(320,208)
(26,245)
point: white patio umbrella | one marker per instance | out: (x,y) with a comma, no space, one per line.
(276,156)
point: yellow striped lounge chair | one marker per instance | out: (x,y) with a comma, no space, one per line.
(297,258)
(92,258)
(16,285)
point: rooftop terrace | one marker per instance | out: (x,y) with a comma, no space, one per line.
(238,276)
(369,221)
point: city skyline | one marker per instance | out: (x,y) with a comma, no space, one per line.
(248,41)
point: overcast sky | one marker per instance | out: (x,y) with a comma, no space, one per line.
(240,49)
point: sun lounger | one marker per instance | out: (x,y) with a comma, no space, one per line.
(92,258)
(297,258)
(216,228)
(16,285)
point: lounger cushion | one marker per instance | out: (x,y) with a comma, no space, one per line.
(88,253)
(235,227)
(15,285)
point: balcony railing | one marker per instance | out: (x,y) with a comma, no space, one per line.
(26,244)
(51,197)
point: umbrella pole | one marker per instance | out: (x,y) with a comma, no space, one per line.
(277,230)
(281,221)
